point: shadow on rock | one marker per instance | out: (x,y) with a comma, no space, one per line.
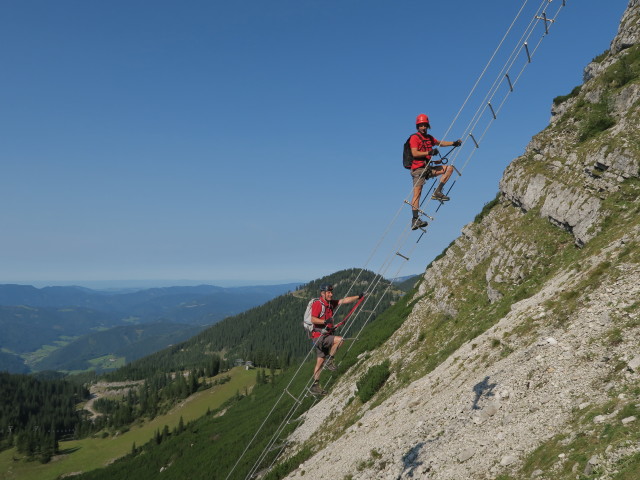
(483,389)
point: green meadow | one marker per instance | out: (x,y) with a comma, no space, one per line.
(107,362)
(94,452)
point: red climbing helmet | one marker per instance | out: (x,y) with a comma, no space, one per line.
(422,118)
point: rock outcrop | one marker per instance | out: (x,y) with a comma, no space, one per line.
(567,170)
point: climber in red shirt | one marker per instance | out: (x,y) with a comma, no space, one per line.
(326,342)
(424,167)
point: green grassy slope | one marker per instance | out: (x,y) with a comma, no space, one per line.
(91,453)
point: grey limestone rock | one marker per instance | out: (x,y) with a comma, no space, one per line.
(508,460)
(634,364)
(466,454)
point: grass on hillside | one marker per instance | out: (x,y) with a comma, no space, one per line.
(443,334)
(594,118)
(106,362)
(557,253)
(210,446)
(32,358)
(92,453)
(563,98)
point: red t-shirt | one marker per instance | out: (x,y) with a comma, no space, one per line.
(316,310)
(423,144)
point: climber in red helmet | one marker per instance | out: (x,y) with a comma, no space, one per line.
(326,342)
(424,166)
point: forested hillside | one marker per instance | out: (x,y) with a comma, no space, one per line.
(270,335)
(25,329)
(12,363)
(35,414)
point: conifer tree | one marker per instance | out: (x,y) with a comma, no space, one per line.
(181,425)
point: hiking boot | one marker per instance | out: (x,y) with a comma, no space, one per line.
(316,389)
(418,223)
(441,197)
(329,365)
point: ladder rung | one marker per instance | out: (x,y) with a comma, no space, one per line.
(400,255)
(509,80)
(421,212)
(493,112)
(294,398)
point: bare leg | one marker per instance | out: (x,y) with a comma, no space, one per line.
(337,343)
(415,202)
(318,369)
(448,170)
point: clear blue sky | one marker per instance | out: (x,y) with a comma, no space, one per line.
(249,142)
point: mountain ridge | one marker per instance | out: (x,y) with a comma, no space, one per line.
(64,296)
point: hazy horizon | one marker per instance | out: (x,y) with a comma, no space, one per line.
(147,283)
(156,283)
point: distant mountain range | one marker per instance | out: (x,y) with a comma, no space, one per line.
(31,318)
(149,302)
(121,344)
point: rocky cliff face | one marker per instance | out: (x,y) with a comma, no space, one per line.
(520,358)
(569,168)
